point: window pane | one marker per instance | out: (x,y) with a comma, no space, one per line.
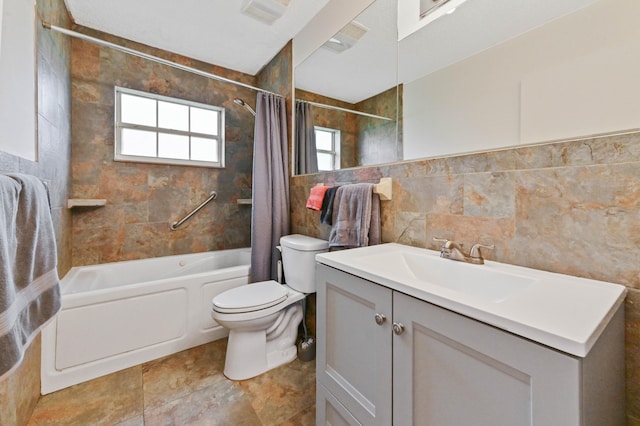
(137,110)
(138,142)
(204,121)
(173,146)
(325,161)
(173,116)
(204,149)
(324,140)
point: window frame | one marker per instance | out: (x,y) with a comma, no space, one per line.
(335,146)
(119,126)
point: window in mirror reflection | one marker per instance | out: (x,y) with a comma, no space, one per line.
(328,148)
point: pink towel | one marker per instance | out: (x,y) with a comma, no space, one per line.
(316,196)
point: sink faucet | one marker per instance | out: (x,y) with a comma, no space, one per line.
(451,250)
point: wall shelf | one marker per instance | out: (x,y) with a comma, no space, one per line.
(85,202)
(244,201)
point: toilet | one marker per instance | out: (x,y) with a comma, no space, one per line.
(263,318)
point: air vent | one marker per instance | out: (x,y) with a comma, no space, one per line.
(347,37)
(267,11)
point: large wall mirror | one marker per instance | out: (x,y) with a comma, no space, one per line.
(355,70)
(490,75)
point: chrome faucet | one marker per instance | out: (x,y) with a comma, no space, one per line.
(451,250)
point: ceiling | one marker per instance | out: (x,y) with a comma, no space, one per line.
(377,63)
(215,31)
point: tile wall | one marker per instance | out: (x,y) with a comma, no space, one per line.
(20,391)
(144,199)
(377,142)
(570,207)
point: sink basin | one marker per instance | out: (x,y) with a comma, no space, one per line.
(480,281)
(485,282)
(560,311)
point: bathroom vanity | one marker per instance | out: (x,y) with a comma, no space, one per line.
(406,337)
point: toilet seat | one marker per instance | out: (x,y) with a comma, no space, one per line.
(250,297)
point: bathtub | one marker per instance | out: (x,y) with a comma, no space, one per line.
(117,315)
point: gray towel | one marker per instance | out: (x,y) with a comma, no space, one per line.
(29,285)
(354,211)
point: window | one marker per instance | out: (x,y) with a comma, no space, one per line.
(328,147)
(156,129)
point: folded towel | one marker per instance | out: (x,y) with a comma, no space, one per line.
(316,196)
(326,212)
(29,285)
(352,214)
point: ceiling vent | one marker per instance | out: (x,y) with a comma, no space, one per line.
(267,11)
(347,37)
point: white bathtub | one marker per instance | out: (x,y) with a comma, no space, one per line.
(117,315)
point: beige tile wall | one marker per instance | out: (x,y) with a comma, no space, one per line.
(571,207)
(144,199)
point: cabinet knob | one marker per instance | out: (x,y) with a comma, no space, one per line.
(398,328)
(380,319)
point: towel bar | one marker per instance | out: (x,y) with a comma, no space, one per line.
(384,188)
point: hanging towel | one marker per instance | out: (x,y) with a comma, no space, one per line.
(375,233)
(316,196)
(29,285)
(326,212)
(352,214)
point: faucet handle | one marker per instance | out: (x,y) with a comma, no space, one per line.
(444,241)
(475,250)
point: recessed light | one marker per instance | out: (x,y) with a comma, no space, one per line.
(267,11)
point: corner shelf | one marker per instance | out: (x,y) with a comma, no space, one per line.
(85,202)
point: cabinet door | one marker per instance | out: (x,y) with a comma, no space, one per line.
(452,370)
(354,352)
(330,412)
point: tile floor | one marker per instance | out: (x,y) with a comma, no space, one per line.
(187,388)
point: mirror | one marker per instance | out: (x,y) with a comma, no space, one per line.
(503,73)
(356,70)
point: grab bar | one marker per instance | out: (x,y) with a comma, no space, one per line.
(176,225)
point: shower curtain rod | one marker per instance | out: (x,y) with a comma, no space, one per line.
(366,114)
(150,57)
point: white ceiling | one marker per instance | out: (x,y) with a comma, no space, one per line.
(370,67)
(212,31)
(216,32)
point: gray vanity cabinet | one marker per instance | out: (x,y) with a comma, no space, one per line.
(353,358)
(422,364)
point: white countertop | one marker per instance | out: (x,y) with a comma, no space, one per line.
(561,311)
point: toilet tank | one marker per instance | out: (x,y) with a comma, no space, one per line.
(299,260)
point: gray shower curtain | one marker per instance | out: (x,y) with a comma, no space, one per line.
(270,211)
(306,154)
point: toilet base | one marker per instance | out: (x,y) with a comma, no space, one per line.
(254,352)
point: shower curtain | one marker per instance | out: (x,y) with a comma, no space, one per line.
(270,211)
(306,154)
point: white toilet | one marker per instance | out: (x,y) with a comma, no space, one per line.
(263,318)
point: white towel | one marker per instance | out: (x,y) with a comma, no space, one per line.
(29,284)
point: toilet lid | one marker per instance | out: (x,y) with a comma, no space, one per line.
(250,297)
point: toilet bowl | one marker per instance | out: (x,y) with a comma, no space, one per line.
(263,318)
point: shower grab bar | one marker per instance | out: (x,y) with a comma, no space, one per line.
(176,225)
